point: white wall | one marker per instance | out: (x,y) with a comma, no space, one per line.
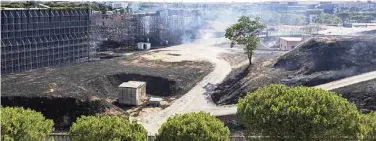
(287,45)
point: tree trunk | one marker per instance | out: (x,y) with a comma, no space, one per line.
(232,44)
(250,58)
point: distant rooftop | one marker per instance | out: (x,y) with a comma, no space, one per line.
(294,39)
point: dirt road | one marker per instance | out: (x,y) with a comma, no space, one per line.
(348,81)
(197,99)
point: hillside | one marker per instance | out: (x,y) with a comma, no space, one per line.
(326,59)
(315,62)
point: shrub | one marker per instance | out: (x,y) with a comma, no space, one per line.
(106,128)
(193,127)
(368,127)
(300,113)
(19,124)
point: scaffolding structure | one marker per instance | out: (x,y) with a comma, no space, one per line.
(36,38)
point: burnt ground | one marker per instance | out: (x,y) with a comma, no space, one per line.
(371,32)
(316,62)
(91,88)
(362,94)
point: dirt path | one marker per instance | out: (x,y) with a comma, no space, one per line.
(348,81)
(197,99)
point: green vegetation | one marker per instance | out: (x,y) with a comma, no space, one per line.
(368,127)
(314,12)
(106,128)
(276,18)
(18,124)
(300,113)
(245,32)
(13,5)
(358,16)
(328,19)
(61,5)
(193,127)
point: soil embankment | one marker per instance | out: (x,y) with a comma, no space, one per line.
(315,62)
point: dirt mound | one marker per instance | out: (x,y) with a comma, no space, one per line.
(362,94)
(326,59)
(371,32)
(326,54)
(315,62)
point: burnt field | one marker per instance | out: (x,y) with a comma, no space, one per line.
(318,61)
(65,93)
(362,94)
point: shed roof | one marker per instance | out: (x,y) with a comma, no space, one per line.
(132,84)
(294,39)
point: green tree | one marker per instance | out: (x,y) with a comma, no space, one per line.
(13,5)
(344,15)
(328,19)
(244,32)
(368,127)
(314,12)
(193,127)
(300,113)
(18,124)
(106,128)
(369,19)
(292,19)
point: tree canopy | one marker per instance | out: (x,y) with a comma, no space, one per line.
(106,128)
(328,19)
(18,124)
(193,127)
(245,32)
(300,113)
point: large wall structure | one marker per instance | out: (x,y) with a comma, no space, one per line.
(36,38)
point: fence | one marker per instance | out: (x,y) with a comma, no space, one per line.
(66,137)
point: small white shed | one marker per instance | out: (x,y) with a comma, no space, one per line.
(132,92)
(143,46)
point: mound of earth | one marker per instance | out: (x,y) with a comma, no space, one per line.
(371,32)
(322,60)
(362,94)
(92,87)
(318,61)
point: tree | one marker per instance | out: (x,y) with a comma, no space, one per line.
(18,124)
(193,127)
(369,19)
(328,19)
(368,127)
(106,128)
(314,12)
(292,19)
(344,15)
(300,113)
(244,32)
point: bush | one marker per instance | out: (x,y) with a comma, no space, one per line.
(106,128)
(193,127)
(299,113)
(18,124)
(368,127)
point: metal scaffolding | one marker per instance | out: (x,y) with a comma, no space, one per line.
(36,38)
